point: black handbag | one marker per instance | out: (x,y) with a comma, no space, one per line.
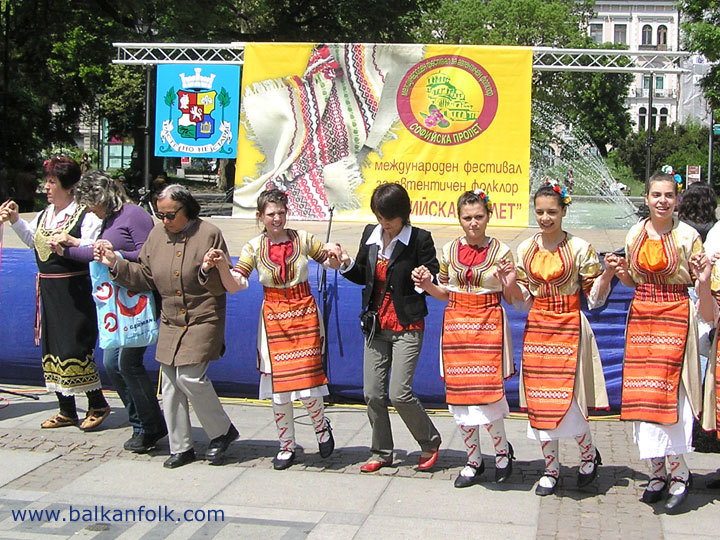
(369,322)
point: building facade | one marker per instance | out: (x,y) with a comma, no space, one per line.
(649,25)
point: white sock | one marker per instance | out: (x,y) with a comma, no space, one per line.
(551,451)
(471,438)
(587,452)
(285,424)
(502,447)
(657,470)
(316,409)
(678,470)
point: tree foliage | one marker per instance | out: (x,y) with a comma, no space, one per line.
(677,145)
(702,34)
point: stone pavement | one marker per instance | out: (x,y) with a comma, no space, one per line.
(80,475)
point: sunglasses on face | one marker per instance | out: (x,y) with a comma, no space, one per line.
(162,216)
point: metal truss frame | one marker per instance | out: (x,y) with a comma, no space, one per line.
(544,58)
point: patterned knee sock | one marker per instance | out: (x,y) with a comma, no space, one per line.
(502,448)
(471,438)
(316,409)
(587,452)
(285,426)
(551,451)
(657,470)
(678,471)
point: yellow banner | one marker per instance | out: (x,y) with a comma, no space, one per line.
(328,123)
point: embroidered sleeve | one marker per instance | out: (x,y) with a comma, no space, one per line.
(314,248)
(589,269)
(246,261)
(443,275)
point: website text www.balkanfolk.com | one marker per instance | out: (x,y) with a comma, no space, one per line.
(105,514)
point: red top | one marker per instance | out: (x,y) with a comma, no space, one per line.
(388,317)
(470,256)
(279,254)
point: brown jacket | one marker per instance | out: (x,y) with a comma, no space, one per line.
(192,321)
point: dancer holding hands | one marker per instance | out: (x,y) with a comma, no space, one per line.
(661,390)
(290,331)
(476,348)
(561,371)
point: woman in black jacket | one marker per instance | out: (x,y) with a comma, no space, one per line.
(393,322)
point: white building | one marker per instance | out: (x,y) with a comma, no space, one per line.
(651,25)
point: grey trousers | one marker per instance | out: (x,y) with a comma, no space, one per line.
(189,384)
(393,356)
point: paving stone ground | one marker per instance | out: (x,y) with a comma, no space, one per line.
(326,498)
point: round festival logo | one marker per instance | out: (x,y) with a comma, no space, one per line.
(447,100)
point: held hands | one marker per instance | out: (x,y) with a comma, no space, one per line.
(104,255)
(616,265)
(59,241)
(336,255)
(701,267)
(9,211)
(213,258)
(422,277)
(506,273)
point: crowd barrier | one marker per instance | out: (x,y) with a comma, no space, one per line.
(235,374)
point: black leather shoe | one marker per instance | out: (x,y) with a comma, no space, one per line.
(142,443)
(503,474)
(467,481)
(282,464)
(543,491)
(179,459)
(652,496)
(216,448)
(675,501)
(326,448)
(585,479)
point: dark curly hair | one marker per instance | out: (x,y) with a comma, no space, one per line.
(698,204)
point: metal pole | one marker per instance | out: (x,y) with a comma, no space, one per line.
(146,130)
(323,288)
(649,140)
(710,146)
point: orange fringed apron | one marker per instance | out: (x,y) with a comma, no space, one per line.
(656,334)
(293,336)
(472,349)
(550,355)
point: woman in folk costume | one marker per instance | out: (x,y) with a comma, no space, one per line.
(476,350)
(561,371)
(661,371)
(708,311)
(290,332)
(65,317)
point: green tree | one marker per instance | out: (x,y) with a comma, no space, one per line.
(702,34)
(677,145)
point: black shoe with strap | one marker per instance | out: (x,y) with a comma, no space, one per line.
(675,501)
(543,491)
(651,496)
(467,481)
(282,464)
(503,474)
(326,448)
(584,479)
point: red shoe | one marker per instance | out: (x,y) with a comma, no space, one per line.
(373,465)
(426,463)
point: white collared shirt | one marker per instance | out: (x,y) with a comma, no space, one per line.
(89,229)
